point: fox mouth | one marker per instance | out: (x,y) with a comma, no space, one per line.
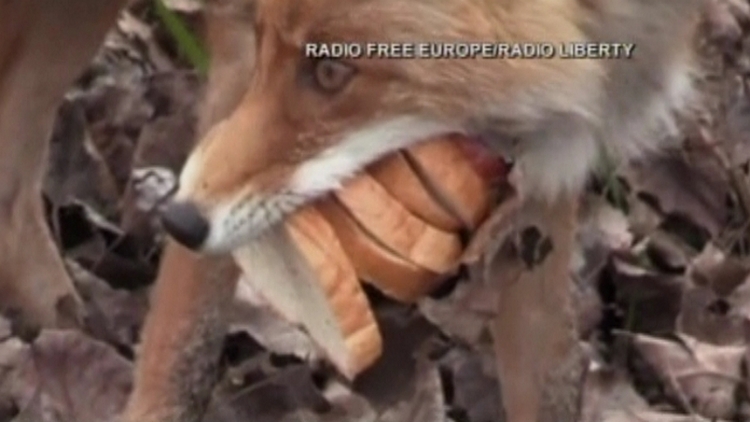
(486,162)
(238,223)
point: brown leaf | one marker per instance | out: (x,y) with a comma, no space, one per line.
(164,142)
(254,315)
(76,170)
(465,313)
(471,379)
(700,377)
(114,316)
(649,301)
(394,376)
(266,393)
(693,188)
(15,367)
(65,376)
(714,269)
(709,317)
(492,231)
(346,406)
(608,391)
(650,416)
(427,404)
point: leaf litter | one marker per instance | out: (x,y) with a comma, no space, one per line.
(661,287)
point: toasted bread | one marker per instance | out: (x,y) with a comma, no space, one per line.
(392,225)
(399,179)
(303,271)
(376,264)
(451,177)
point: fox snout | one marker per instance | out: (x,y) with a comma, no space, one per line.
(185,223)
(224,188)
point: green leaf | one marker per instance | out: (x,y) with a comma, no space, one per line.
(187,42)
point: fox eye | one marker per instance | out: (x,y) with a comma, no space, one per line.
(332,75)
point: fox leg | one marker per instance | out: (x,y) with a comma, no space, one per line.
(183,337)
(540,364)
(41,54)
(184,332)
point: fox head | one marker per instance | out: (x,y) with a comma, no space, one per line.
(306,124)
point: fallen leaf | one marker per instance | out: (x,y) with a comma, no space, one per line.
(66,376)
(701,378)
(465,313)
(648,416)
(472,389)
(76,170)
(691,188)
(714,269)
(649,302)
(609,391)
(114,316)
(428,402)
(254,315)
(268,394)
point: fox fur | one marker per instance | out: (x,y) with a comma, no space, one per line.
(299,131)
(289,141)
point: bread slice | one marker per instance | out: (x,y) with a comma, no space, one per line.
(392,225)
(376,264)
(302,270)
(398,178)
(452,178)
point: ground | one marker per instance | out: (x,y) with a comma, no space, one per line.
(662,277)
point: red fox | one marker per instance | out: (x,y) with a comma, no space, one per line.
(306,124)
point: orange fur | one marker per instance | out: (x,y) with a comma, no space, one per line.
(252,169)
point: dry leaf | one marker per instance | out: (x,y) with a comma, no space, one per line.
(66,376)
(700,377)
(648,416)
(473,386)
(428,402)
(691,188)
(608,391)
(714,269)
(649,301)
(254,315)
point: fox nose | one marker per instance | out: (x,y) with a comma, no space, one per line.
(184,222)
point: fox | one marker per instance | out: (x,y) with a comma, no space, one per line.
(306,123)
(301,125)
